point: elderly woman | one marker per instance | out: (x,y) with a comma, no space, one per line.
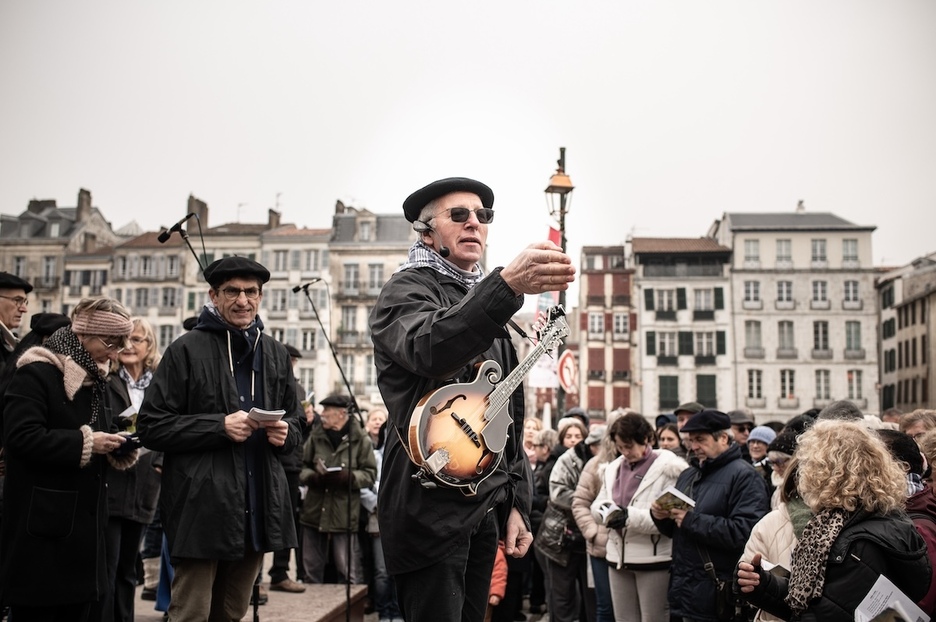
(132,494)
(637,554)
(858,532)
(60,437)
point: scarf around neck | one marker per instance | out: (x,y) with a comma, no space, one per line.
(66,343)
(144,381)
(421,256)
(807,575)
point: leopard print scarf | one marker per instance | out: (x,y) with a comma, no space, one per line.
(807,575)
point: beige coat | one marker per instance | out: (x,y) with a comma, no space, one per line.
(774,539)
(596,536)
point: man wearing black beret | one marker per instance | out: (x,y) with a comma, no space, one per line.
(13,305)
(730,497)
(438,316)
(221,501)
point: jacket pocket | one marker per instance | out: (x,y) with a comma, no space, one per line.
(51,513)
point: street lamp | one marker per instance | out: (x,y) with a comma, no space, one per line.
(559,191)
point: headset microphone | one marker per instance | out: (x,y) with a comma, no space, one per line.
(421,227)
(444,251)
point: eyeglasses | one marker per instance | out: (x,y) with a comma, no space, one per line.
(460,214)
(137,341)
(19,301)
(233,293)
(112,346)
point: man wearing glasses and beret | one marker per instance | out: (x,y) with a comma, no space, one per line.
(437,317)
(222,502)
(13,305)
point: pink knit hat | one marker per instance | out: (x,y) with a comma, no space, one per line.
(102,323)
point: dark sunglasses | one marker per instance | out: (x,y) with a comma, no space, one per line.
(460,214)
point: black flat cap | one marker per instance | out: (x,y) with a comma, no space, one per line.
(47,323)
(336,400)
(707,421)
(293,352)
(235,267)
(11,281)
(415,202)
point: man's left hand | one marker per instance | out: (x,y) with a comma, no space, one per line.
(519,538)
(276,432)
(678,515)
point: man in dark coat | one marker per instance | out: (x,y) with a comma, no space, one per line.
(13,305)
(223,501)
(730,497)
(436,318)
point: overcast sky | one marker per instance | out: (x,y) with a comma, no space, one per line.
(671,112)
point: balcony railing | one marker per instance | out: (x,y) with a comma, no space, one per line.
(854,355)
(705,360)
(787,353)
(46,282)
(668,361)
(703,314)
(752,304)
(755,402)
(596,374)
(821,403)
(754,353)
(669,315)
(820,305)
(785,305)
(595,300)
(621,300)
(618,336)
(788,402)
(621,374)
(852,305)
(821,353)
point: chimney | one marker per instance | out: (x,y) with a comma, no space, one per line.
(90,242)
(36,206)
(200,208)
(800,206)
(84,206)
(339,207)
(273,219)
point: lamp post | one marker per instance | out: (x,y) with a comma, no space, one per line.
(558,198)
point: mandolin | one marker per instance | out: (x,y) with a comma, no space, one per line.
(457,433)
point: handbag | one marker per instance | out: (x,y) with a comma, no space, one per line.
(551,539)
(728,606)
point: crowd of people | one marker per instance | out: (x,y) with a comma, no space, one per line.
(126,467)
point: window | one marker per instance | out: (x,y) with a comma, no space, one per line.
(142,298)
(48,267)
(706,390)
(705,344)
(19,266)
(785,335)
(146,266)
(172,266)
(308,339)
(755,384)
(596,324)
(704,300)
(851,291)
(347,362)
(169,298)
(666,300)
(375,278)
(820,291)
(819,251)
(277,299)
(822,384)
(853,377)
(365,231)
(280,261)
(850,250)
(669,392)
(348,317)
(352,274)
(784,291)
(370,371)
(166,335)
(752,334)
(784,251)
(820,335)
(122,267)
(310,261)
(752,251)
(306,377)
(279,334)
(787,387)
(751,291)
(667,344)
(852,335)
(621,325)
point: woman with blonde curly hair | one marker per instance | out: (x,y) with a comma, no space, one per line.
(858,531)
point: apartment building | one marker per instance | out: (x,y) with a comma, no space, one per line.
(683,323)
(907,321)
(804,311)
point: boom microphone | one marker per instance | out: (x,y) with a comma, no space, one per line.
(297,288)
(165,235)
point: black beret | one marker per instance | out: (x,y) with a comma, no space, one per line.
(707,421)
(415,202)
(902,447)
(293,352)
(190,322)
(234,267)
(47,323)
(339,401)
(785,443)
(11,281)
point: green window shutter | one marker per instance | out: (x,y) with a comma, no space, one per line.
(651,343)
(648,299)
(719,298)
(706,391)
(720,342)
(681,298)
(685,342)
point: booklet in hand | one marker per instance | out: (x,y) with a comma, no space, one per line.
(608,510)
(674,499)
(263,416)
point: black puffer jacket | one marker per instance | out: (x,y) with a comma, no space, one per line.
(869,545)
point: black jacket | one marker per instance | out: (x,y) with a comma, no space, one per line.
(429,331)
(868,546)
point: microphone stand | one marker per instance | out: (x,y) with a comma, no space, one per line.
(352,409)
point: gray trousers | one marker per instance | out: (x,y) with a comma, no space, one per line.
(316,547)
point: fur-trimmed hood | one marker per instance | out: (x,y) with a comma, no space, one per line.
(74,375)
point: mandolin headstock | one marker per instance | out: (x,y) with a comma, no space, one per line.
(551,328)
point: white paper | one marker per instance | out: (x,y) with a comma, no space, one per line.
(258,414)
(884,594)
(128,412)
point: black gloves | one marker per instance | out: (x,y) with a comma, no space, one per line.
(337,478)
(617,520)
